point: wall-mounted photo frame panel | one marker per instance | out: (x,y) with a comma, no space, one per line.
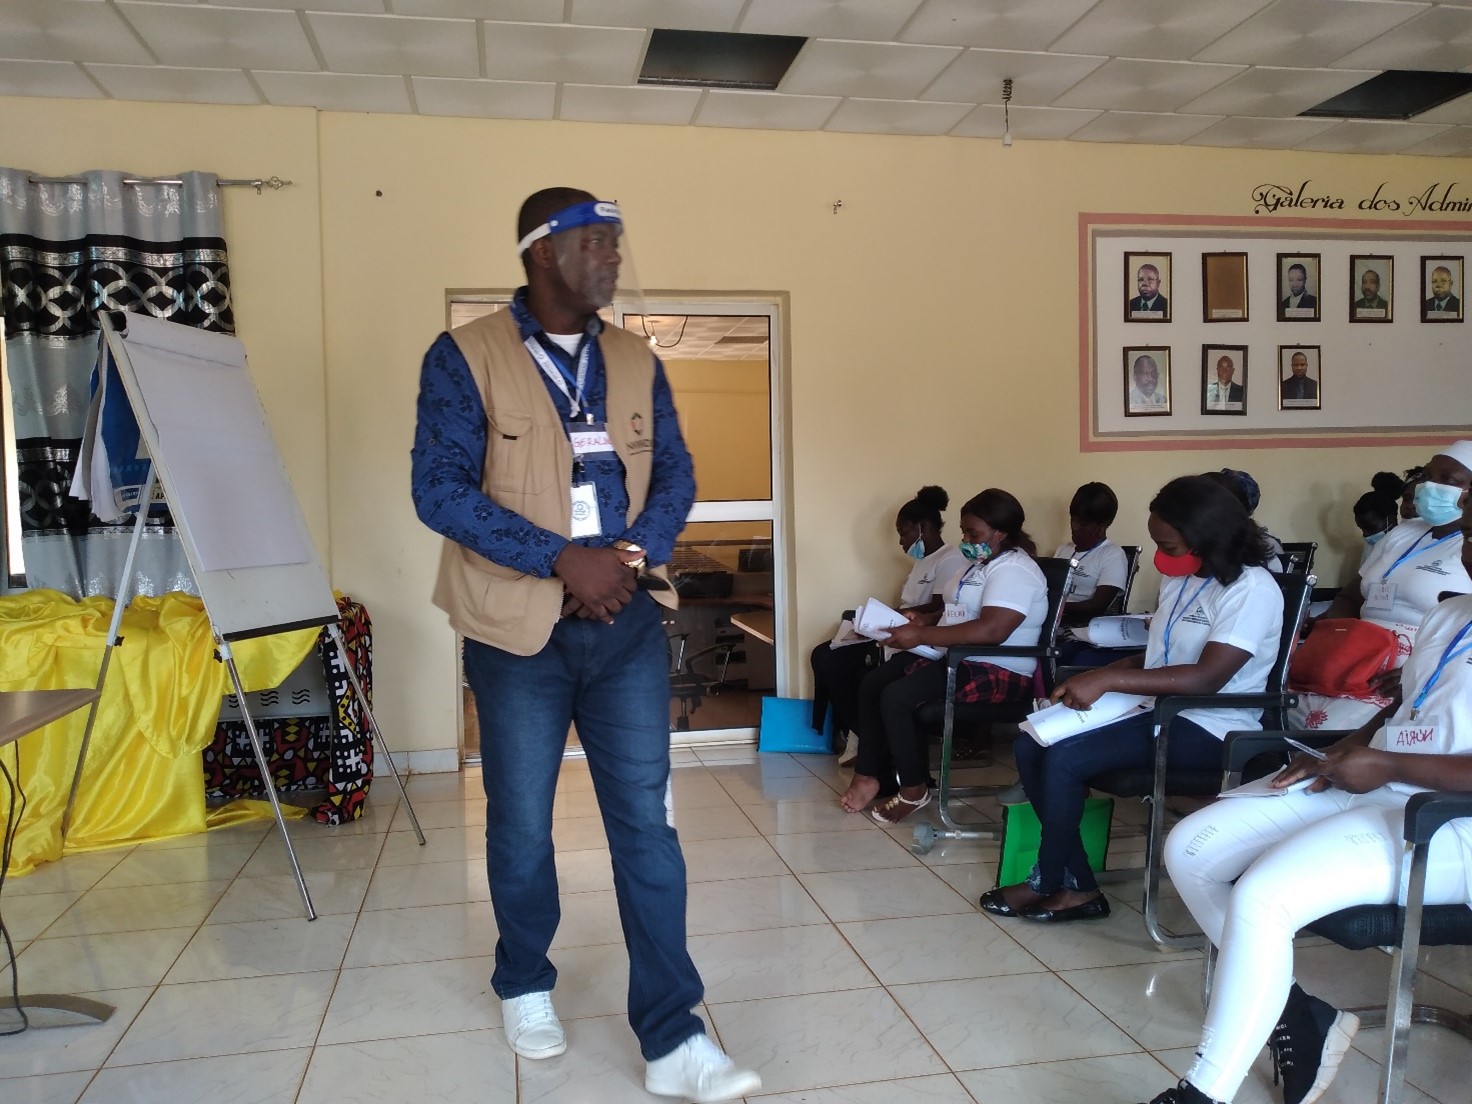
(1442,288)
(1147,381)
(1224,379)
(1298,287)
(1224,287)
(1149,275)
(1300,378)
(1371,288)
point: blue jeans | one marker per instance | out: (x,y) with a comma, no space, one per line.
(1056,778)
(613,682)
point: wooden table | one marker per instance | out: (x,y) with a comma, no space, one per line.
(761,624)
(21,713)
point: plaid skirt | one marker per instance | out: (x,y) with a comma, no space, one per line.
(984,683)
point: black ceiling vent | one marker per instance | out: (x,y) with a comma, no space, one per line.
(716,59)
(1394,94)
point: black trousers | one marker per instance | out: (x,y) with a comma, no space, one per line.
(891,747)
(837,673)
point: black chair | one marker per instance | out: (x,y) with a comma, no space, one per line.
(1298,557)
(1154,782)
(1132,567)
(1407,926)
(948,712)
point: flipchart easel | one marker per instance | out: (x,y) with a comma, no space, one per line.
(202,425)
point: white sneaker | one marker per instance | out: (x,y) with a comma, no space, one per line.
(850,750)
(532,1027)
(699,1070)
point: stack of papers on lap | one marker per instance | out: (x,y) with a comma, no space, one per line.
(1263,787)
(846,635)
(1059,722)
(874,619)
(1123,631)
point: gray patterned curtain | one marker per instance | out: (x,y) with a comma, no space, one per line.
(67,252)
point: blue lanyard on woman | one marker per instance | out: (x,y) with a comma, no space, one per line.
(1176,613)
(1451,653)
(1411,551)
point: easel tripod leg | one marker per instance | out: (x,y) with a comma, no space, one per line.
(265,768)
(342,652)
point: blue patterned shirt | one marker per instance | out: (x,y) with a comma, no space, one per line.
(449,460)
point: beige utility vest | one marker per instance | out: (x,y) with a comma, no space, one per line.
(528,469)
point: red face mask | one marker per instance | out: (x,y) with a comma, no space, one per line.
(1177,566)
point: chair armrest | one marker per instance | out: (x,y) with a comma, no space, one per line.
(1167,707)
(958,653)
(1426,812)
(1241,747)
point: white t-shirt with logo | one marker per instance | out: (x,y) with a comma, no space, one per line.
(1103,565)
(929,575)
(1012,581)
(1399,597)
(1196,612)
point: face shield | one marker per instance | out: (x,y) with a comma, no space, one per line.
(592,255)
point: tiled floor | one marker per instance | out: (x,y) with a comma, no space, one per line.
(847,969)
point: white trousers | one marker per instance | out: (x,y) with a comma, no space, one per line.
(1293,859)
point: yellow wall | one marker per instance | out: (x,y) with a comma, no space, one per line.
(725,414)
(931,332)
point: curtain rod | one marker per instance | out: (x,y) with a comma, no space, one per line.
(275,183)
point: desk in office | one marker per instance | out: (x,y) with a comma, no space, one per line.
(21,713)
(761,624)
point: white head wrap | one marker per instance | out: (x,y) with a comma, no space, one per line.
(1460,451)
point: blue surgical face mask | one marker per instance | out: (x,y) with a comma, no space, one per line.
(977,552)
(1375,538)
(1437,503)
(916,551)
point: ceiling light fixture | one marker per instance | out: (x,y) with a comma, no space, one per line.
(1006,114)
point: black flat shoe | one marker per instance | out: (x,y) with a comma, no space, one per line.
(993,902)
(1094,909)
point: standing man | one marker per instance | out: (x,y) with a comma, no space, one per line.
(1298,385)
(1149,301)
(549,456)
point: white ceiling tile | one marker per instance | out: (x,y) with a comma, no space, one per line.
(1307,33)
(1154,28)
(1143,126)
(370,7)
(1028,123)
(1260,133)
(45,78)
(397,44)
(222,38)
(998,24)
(335,91)
(1275,93)
(878,19)
(518,11)
(586,55)
(1440,39)
(679,15)
(66,30)
(764,110)
(484,98)
(156,82)
(879,70)
(608,104)
(1037,78)
(1455,111)
(896,116)
(1365,136)
(1130,84)
(1456,142)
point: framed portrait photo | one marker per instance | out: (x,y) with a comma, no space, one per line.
(1300,385)
(1146,381)
(1441,289)
(1224,287)
(1147,283)
(1224,379)
(1371,288)
(1298,287)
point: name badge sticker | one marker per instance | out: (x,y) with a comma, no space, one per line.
(585,520)
(1412,736)
(1381,596)
(588,439)
(955,614)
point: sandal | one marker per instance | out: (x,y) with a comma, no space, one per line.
(895,808)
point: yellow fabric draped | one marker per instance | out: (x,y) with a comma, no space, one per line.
(143,778)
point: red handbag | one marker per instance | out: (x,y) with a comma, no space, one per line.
(1340,657)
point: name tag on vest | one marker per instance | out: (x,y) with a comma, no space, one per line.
(588,439)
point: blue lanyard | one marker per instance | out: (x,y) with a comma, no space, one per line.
(1452,652)
(1411,551)
(560,376)
(1176,613)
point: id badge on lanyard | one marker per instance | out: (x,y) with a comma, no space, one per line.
(585,519)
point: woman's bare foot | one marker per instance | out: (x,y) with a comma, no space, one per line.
(862,790)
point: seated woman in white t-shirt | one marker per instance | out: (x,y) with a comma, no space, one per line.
(1100,577)
(1400,583)
(1001,599)
(1216,629)
(837,672)
(1255,871)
